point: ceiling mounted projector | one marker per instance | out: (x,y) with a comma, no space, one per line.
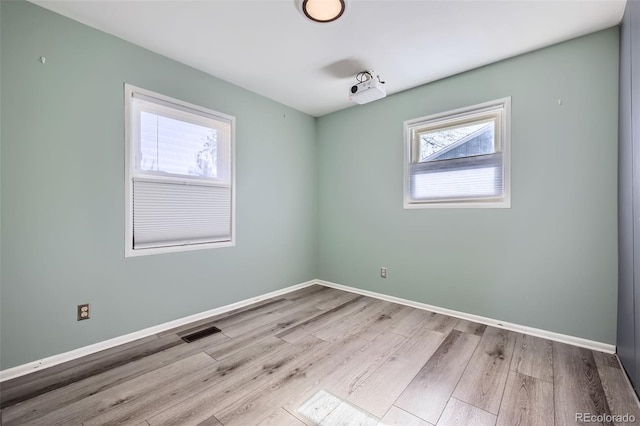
(368,89)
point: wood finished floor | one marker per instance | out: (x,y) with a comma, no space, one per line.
(320,356)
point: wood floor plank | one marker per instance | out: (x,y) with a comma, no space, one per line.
(533,356)
(304,292)
(338,298)
(482,383)
(263,315)
(242,381)
(86,409)
(269,344)
(527,401)
(212,319)
(346,377)
(227,349)
(459,413)
(346,414)
(618,393)
(441,323)
(281,417)
(211,421)
(398,417)
(256,310)
(322,320)
(428,393)
(146,404)
(238,328)
(315,409)
(318,297)
(24,412)
(354,323)
(470,327)
(420,347)
(389,316)
(380,390)
(45,373)
(412,323)
(12,392)
(577,386)
(248,325)
(288,384)
(605,360)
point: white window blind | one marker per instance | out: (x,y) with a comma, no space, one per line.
(179,173)
(459,158)
(463,178)
(167,213)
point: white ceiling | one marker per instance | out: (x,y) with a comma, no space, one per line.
(269,47)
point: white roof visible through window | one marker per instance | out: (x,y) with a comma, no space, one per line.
(434,145)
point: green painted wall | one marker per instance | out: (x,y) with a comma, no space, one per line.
(63,191)
(315,198)
(548,262)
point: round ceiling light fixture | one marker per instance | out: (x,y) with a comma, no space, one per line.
(323,10)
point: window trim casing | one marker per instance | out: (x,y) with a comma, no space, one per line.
(450,117)
(129,251)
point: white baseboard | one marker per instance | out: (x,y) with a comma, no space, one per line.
(558,337)
(31,367)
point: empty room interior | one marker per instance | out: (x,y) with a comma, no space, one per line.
(320,212)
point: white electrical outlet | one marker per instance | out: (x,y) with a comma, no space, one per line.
(383,272)
(83,312)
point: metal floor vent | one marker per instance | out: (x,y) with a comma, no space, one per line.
(200,334)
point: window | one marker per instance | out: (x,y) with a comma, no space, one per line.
(179,175)
(459,158)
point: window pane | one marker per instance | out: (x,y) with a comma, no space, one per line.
(173,146)
(457,142)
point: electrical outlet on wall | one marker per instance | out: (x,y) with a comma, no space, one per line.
(383,272)
(83,312)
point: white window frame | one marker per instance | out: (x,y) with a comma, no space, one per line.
(131,173)
(499,107)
